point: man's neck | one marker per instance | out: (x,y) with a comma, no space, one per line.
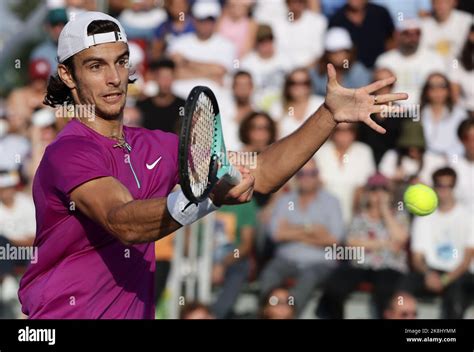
(447,206)
(108,128)
(163,99)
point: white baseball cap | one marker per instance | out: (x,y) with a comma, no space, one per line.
(408,24)
(74,38)
(203,9)
(338,38)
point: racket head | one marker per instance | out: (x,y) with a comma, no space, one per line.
(198,162)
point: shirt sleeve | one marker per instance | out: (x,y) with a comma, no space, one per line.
(73,161)
(419,231)
(336,223)
(281,211)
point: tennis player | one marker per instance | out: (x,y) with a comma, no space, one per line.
(103,192)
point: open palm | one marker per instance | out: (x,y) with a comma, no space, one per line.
(353,105)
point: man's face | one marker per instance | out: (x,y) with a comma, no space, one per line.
(357,4)
(307,178)
(164,78)
(468,141)
(443,8)
(409,40)
(205,28)
(444,186)
(407,310)
(101,74)
(242,88)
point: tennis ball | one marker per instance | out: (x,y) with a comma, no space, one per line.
(420,199)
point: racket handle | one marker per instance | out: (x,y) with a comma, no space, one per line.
(232,176)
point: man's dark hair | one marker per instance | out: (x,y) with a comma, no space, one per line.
(58,92)
(444,171)
(242,73)
(160,63)
(464,127)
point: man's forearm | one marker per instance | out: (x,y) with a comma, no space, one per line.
(279,162)
(141,221)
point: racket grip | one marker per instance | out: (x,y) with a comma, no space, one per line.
(232,176)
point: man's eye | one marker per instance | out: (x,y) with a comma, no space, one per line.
(123,62)
(94,67)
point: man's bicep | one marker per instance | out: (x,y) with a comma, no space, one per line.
(97,197)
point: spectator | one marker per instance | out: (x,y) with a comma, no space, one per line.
(235,232)
(440,117)
(17,211)
(236,25)
(463,164)
(442,248)
(410,63)
(410,159)
(370,26)
(278,304)
(380,143)
(140,19)
(345,166)
(447,30)
(340,52)
(383,233)
(196,311)
(179,22)
(13,146)
(400,10)
(462,75)
(164,110)
(308,27)
(195,53)
(297,104)
(401,306)
(303,223)
(267,67)
(257,131)
(47,50)
(132,116)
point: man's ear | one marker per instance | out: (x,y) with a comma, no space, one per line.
(66,76)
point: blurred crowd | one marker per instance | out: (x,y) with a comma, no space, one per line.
(266,62)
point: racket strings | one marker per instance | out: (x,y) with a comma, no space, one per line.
(202,138)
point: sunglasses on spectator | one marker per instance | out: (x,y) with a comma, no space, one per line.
(440,185)
(437,85)
(309,173)
(299,83)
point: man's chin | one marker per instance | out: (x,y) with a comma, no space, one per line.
(110,113)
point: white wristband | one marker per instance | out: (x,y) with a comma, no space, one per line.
(185,213)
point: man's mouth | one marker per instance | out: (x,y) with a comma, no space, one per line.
(112,98)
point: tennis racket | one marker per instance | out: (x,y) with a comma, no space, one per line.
(203,157)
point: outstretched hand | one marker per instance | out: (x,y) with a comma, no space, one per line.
(353,105)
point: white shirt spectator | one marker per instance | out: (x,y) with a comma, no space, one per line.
(269,11)
(411,71)
(268,76)
(19,222)
(448,37)
(13,150)
(443,237)
(215,50)
(431,163)
(441,136)
(342,179)
(464,189)
(465,79)
(302,40)
(287,124)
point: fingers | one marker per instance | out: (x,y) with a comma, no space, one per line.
(375,126)
(243,192)
(379,84)
(331,74)
(387,98)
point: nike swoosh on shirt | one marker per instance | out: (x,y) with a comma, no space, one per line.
(152,166)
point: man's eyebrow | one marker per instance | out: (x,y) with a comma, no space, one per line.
(100,59)
(125,53)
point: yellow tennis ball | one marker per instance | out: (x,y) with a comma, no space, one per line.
(420,200)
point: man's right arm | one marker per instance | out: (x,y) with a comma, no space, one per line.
(106,201)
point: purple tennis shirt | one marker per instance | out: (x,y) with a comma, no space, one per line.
(82,271)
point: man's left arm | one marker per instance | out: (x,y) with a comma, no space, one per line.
(277,164)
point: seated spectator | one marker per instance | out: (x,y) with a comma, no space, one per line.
(196,311)
(164,110)
(236,25)
(298,102)
(308,27)
(447,30)
(380,143)
(440,117)
(464,165)
(370,26)
(267,67)
(442,248)
(195,54)
(234,236)
(340,52)
(140,19)
(345,166)
(179,22)
(462,76)
(411,63)
(303,223)
(257,131)
(55,21)
(278,304)
(383,234)
(401,306)
(410,159)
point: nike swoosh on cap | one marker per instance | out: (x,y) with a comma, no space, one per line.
(152,166)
